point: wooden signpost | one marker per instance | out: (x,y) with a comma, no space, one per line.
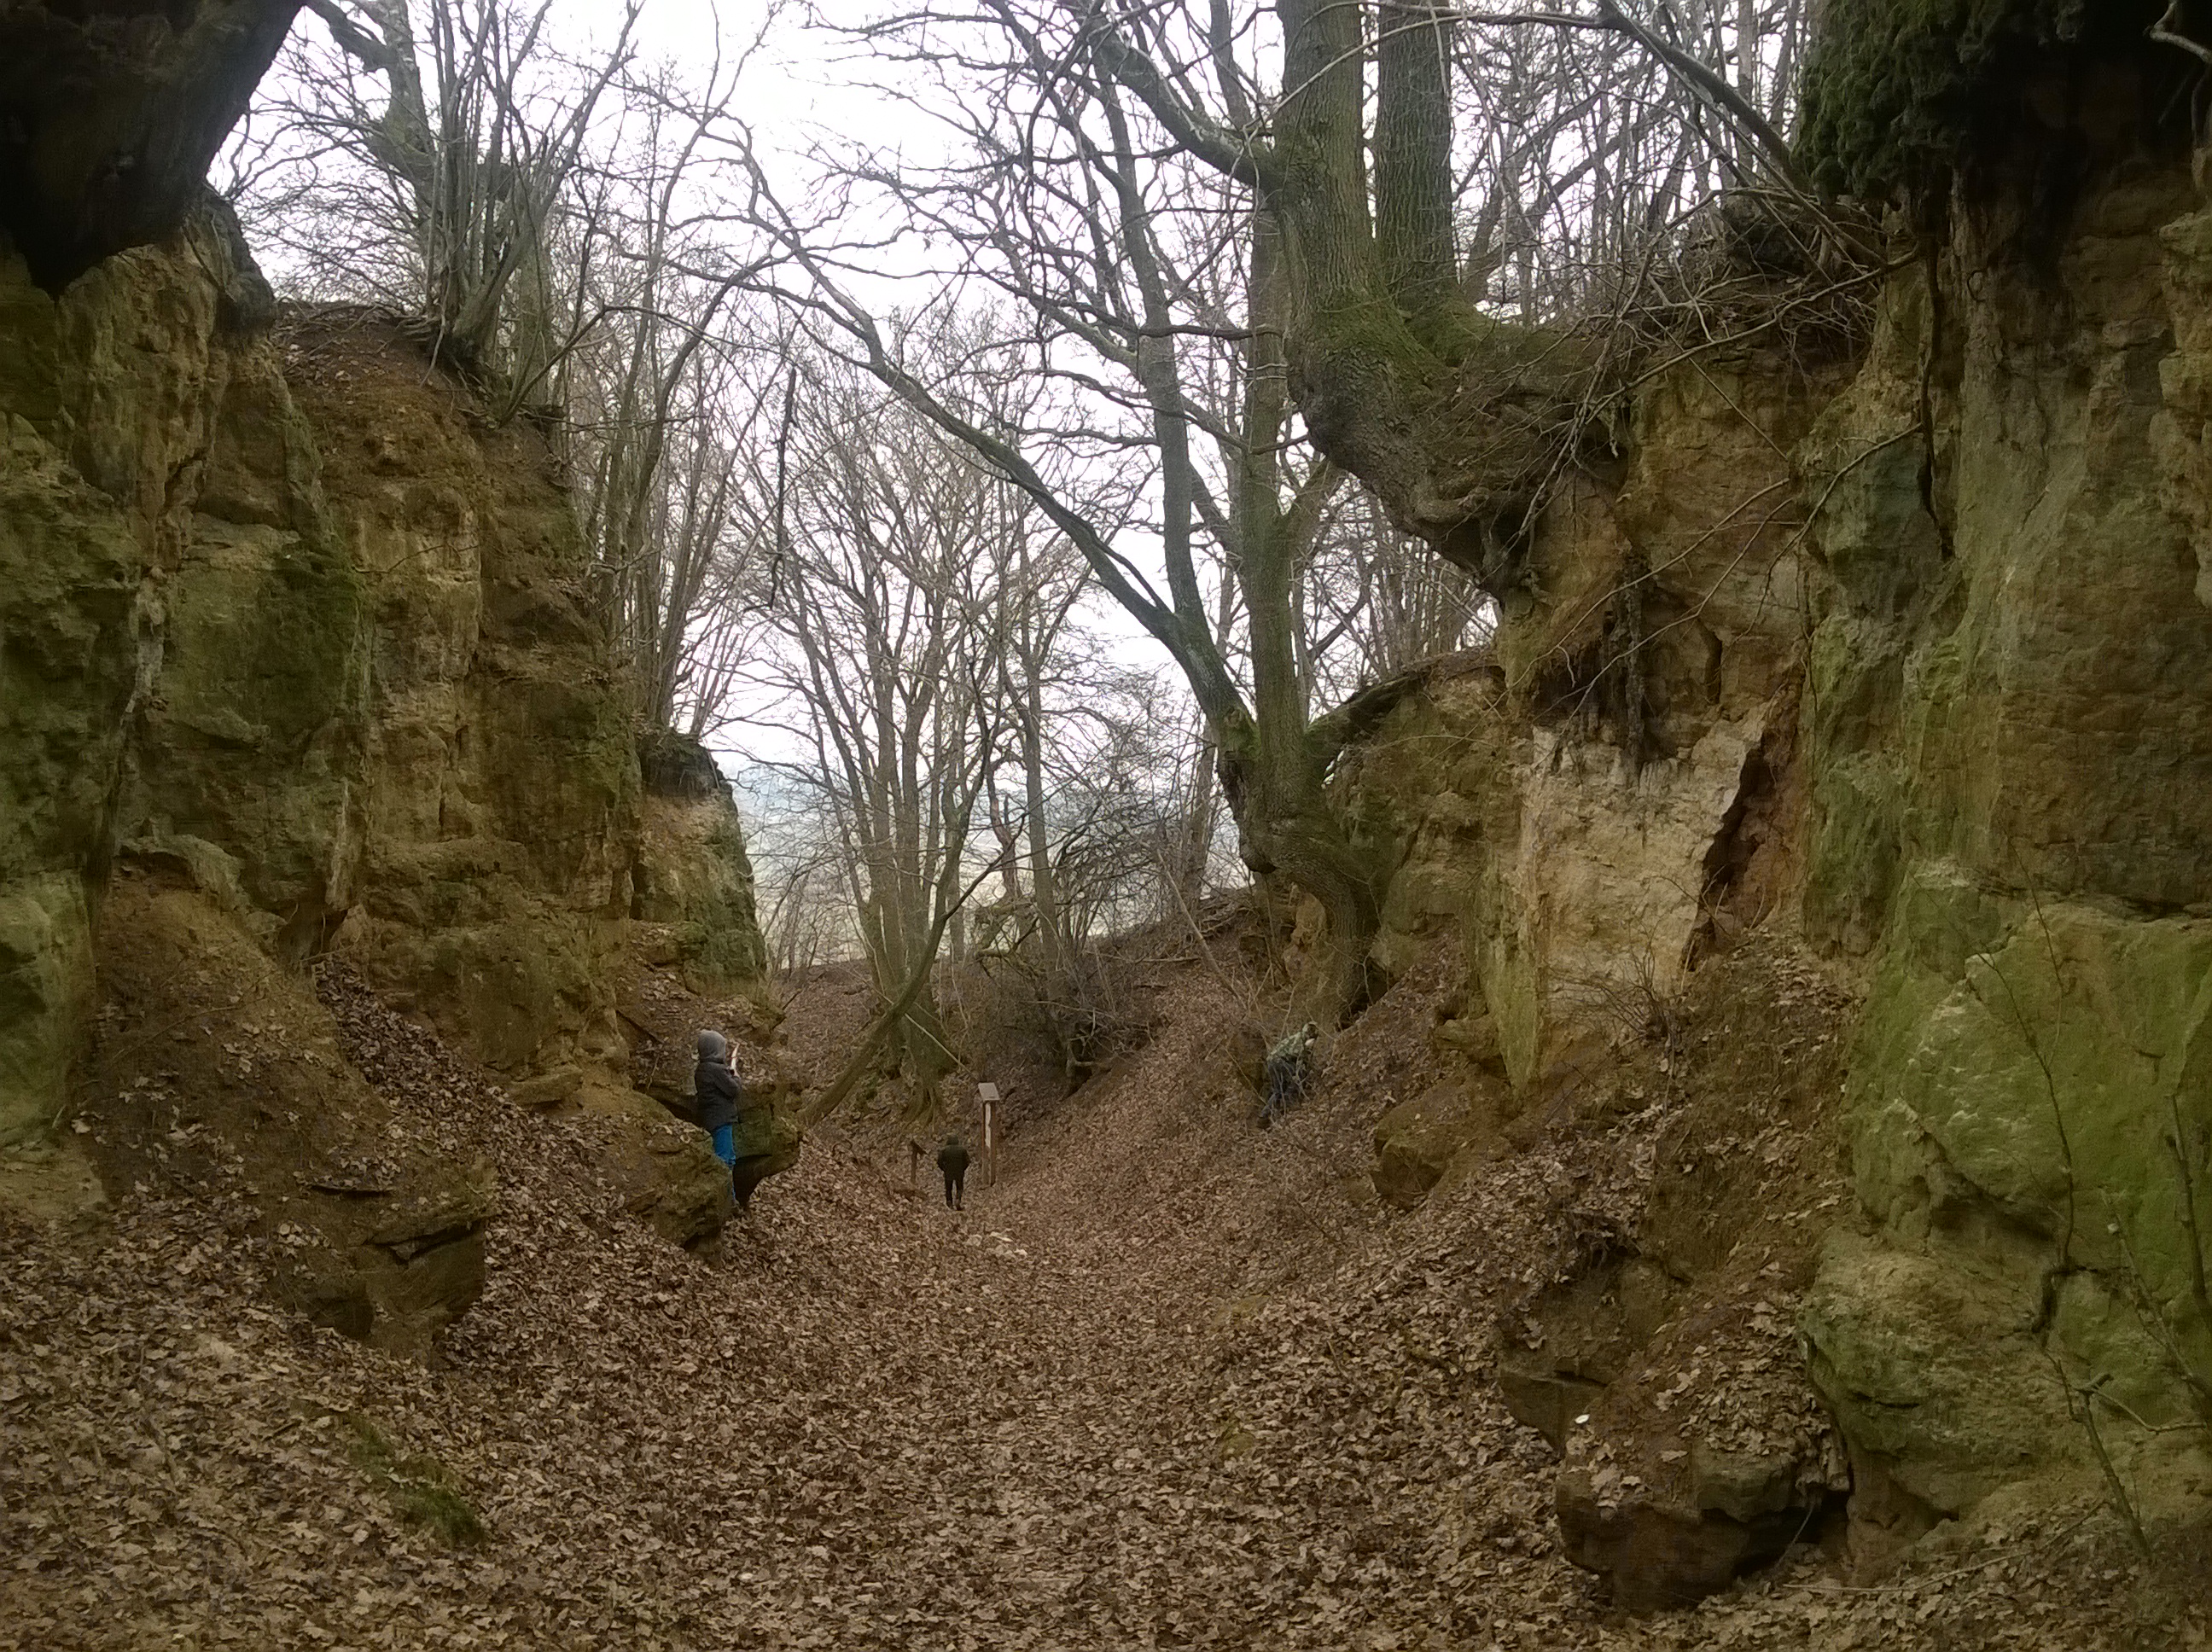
(988,1096)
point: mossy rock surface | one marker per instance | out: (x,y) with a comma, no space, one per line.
(1898,92)
(693,876)
(2023,1070)
(105,398)
(2037,1057)
(1933,1367)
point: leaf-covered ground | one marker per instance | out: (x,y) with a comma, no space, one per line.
(1166,1386)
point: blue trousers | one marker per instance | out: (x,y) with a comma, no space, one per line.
(726,1144)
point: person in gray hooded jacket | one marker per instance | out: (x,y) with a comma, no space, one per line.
(714,1084)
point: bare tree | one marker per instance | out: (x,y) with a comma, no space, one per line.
(1074,223)
(1579,145)
(1122,155)
(546,219)
(1455,421)
(801,889)
(1236,280)
(888,606)
(463,126)
(1377,603)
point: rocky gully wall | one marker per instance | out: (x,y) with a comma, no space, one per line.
(289,635)
(1898,665)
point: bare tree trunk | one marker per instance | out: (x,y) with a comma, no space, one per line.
(1274,769)
(1359,361)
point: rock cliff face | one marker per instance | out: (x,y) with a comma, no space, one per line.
(1899,664)
(492,820)
(693,897)
(2011,748)
(111,394)
(1566,793)
(288,629)
(1606,812)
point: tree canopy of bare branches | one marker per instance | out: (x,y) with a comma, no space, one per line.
(1271,323)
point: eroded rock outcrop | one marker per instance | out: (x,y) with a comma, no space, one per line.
(1594,809)
(111,395)
(1898,665)
(109,113)
(497,791)
(2014,765)
(1602,787)
(287,628)
(693,893)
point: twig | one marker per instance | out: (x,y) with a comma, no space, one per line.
(2166,32)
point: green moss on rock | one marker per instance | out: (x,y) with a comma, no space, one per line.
(2020,1067)
(2032,1056)
(261,715)
(101,414)
(1893,89)
(1935,1370)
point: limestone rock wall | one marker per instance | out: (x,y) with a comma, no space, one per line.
(2012,752)
(110,395)
(286,625)
(693,895)
(1904,662)
(497,791)
(1605,785)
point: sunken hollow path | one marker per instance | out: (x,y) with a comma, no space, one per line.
(1082,1414)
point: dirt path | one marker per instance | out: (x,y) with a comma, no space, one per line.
(1093,1411)
(871,1424)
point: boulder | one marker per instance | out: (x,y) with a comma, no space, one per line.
(1660,1554)
(1542,1397)
(1417,1141)
(547,1089)
(422,1257)
(665,1170)
(678,1186)
(396,1268)
(1672,1492)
